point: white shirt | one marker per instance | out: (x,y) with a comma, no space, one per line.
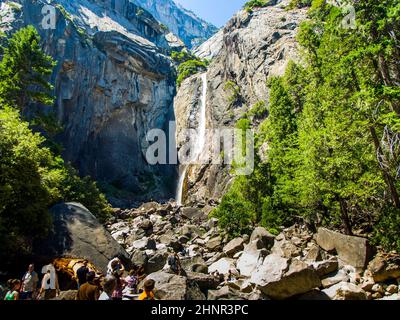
(104,296)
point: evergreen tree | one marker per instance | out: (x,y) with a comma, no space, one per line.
(25,70)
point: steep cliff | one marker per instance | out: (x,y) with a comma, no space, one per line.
(252,47)
(183,23)
(113,82)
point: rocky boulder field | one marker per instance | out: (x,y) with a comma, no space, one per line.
(295,264)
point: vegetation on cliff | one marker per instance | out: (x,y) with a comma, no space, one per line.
(332,132)
(32,177)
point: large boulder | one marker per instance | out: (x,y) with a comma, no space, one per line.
(204,281)
(386,267)
(76,233)
(172,287)
(351,250)
(325,267)
(262,234)
(249,261)
(279,279)
(214,244)
(234,246)
(156,262)
(222,266)
(345,291)
(286,249)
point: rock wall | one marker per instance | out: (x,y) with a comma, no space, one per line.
(113,82)
(183,23)
(251,48)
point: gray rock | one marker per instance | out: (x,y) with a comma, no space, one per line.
(278,279)
(214,244)
(76,233)
(351,250)
(156,262)
(233,247)
(384,268)
(260,233)
(326,267)
(345,291)
(333,279)
(172,287)
(222,266)
(139,258)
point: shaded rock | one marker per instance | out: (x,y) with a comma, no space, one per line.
(156,262)
(262,234)
(286,249)
(314,294)
(279,280)
(314,253)
(76,233)
(383,268)
(214,244)
(193,213)
(345,291)
(204,281)
(188,263)
(139,258)
(325,267)
(172,287)
(391,289)
(233,247)
(351,250)
(333,279)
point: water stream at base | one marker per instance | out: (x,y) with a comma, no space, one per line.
(200,140)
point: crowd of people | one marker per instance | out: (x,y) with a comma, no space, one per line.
(117,284)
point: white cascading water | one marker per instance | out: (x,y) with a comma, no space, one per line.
(200,140)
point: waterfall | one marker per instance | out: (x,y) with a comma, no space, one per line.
(200,139)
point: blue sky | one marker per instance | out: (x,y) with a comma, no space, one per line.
(217,12)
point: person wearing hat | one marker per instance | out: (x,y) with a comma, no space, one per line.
(88,290)
(148,293)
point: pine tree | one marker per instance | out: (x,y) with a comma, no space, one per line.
(25,70)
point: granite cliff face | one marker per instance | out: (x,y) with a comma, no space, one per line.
(183,23)
(113,82)
(251,48)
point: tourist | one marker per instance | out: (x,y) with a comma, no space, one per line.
(88,290)
(81,273)
(174,263)
(115,266)
(118,291)
(109,284)
(13,293)
(132,280)
(148,293)
(49,288)
(30,282)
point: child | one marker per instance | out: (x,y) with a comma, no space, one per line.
(13,293)
(148,293)
(132,281)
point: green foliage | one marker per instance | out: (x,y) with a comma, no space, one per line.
(32,178)
(189,68)
(188,64)
(328,120)
(84,190)
(234,214)
(252,4)
(387,230)
(234,92)
(25,70)
(258,111)
(299,4)
(28,185)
